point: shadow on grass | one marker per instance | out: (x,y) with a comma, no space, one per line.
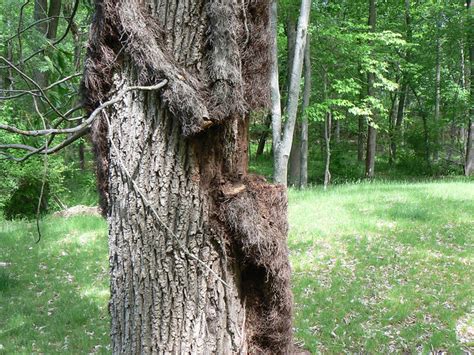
(6,282)
(391,272)
(54,294)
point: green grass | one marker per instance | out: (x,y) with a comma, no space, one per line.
(378,268)
(384,267)
(53,295)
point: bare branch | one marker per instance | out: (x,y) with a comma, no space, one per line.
(53,44)
(26,77)
(42,149)
(93,115)
(76,132)
(22,30)
(36,91)
(20,24)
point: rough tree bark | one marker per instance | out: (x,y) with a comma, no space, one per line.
(371,132)
(198,254)
(282,140)
(469,165)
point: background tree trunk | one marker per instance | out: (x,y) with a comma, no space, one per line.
(294,163)
(360,139)
(437,108)
(327,141)
(304,122)
(371,133)
(361,126)
(198,255)
(469,166)
(404,88)
(391,126)
(285,138)
(40,14)
(53,12)
(263,136)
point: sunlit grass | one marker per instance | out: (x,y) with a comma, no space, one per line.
(377,268)
(383,267)
(54,294)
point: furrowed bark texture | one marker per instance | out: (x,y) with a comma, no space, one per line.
(183,213)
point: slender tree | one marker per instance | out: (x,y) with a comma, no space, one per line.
(469,165)
(304,120)
(404,86)
(327,136)
(437,98)
(371,132)
(282,140)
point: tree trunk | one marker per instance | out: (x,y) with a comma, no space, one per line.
(291,45)
(469,165)
(40,14)
(399,119)
(304,122)
(294,163)
(285,138)
(262,141)
(426,140)
(53,12)
(360,139)
(7,79)
(77,40)
(275,92)
(404,88)
(198,254)
(391,126)
(437,109)
(295,153)
(371,133)
(327,141)
(361,127)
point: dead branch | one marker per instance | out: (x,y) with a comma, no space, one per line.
(75,132)
(87,122)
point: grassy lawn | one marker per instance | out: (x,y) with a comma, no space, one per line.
(53,295)
(383,267)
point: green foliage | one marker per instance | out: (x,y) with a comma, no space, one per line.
(21,182)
